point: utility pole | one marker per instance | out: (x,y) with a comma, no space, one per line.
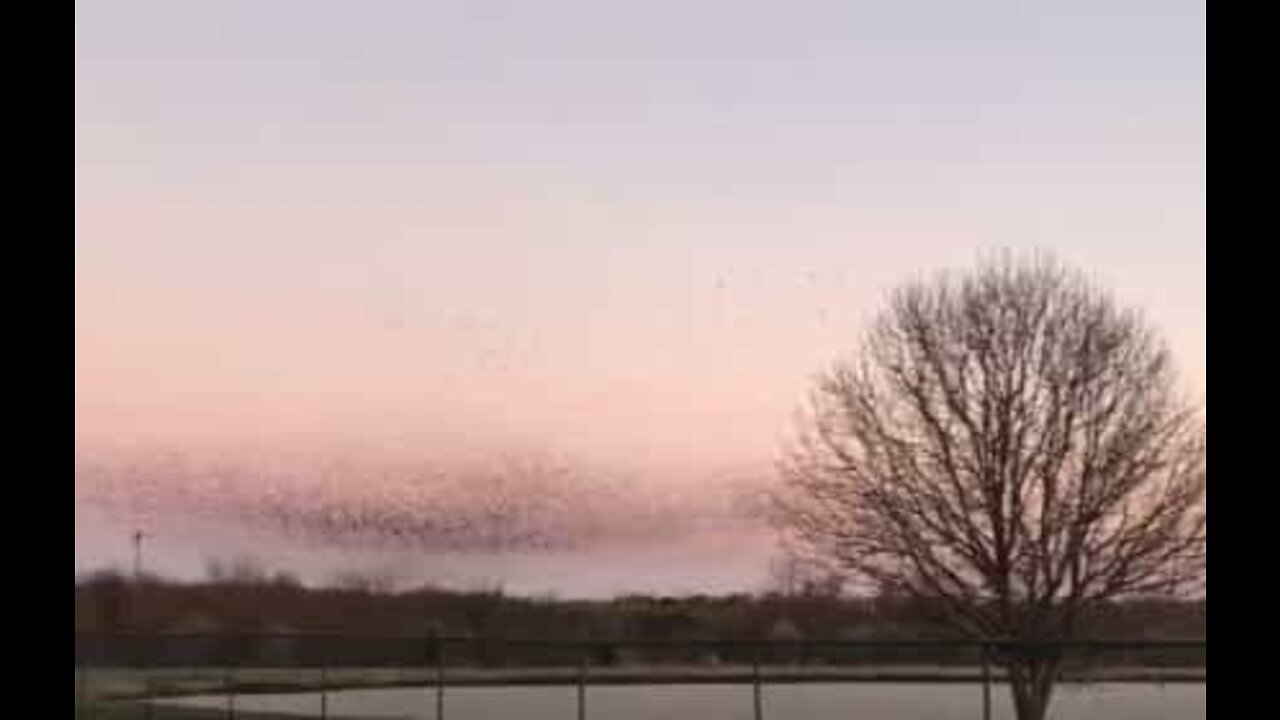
(138,538)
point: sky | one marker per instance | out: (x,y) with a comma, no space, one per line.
(329,253)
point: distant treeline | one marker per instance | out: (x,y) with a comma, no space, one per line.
(358,606)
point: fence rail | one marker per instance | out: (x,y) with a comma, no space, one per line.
(137,670)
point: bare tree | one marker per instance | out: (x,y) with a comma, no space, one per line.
(239,570)
(1012,445)
(792,575)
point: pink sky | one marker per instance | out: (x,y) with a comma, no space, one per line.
(395,234)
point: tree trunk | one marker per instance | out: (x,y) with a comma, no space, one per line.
(1032,683)
(1029,704)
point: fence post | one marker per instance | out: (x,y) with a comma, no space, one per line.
(440,678)
(986,681)
(229,687)
(148,678)
(324,692)
(757,684)
(582,685)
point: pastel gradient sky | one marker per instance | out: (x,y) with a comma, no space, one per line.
(626,234)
